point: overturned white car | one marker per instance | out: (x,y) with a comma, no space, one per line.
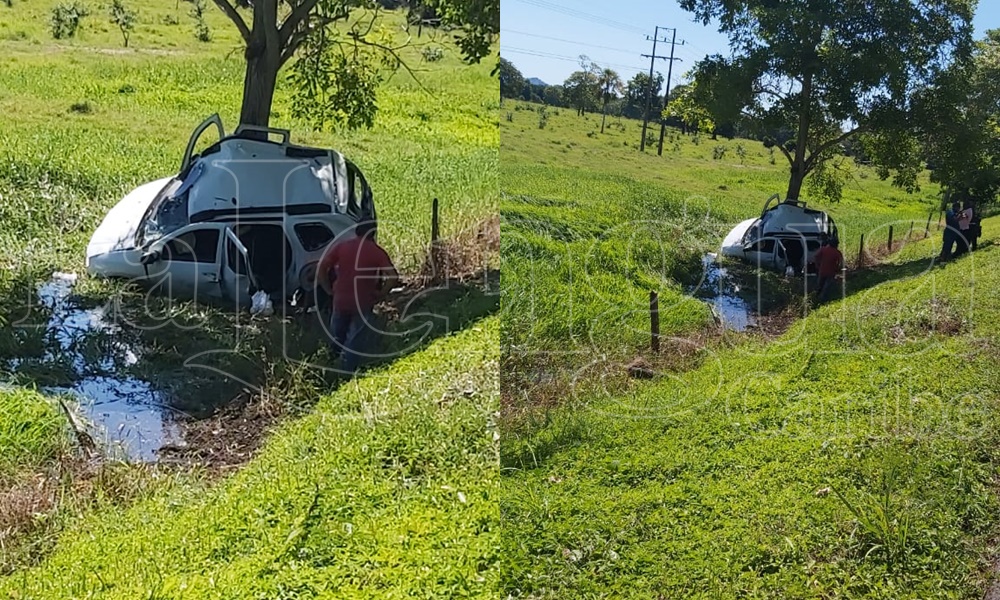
(786,234)
(247,214)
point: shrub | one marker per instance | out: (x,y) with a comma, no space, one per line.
(170,20)
(543,117)
(433,53)
(66,19)
(718,153)
(510,117)
(201,30)
(124,18)
(741,152)
(83,108)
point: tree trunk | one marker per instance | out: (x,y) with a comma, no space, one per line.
(258,90)
(795,184)
(798,173)
(263,56)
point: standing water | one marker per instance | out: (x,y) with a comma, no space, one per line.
(126,412)
(722,292)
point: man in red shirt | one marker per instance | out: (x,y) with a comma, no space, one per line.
(828,260)
(358,273)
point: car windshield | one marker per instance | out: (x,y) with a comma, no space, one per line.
(170,215)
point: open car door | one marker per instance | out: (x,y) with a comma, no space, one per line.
(185,262)
(238,284)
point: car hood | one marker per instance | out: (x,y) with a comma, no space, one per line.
(733,244)
(117,230)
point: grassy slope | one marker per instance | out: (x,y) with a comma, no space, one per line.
(722,482)
(591,225)
(387,490)
(61,170)
(31,432)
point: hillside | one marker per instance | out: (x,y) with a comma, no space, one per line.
(83,121)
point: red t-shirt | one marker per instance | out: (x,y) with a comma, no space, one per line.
(828,261)
(358,262)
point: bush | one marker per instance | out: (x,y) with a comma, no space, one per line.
(170,20)
(543,117)
(66,19)
(719,152)
(433,53)
(124,18)
(741,152)
(510,117)
(201,30)
(83,108)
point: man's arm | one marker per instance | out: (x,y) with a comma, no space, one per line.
(389,275)
(324,268)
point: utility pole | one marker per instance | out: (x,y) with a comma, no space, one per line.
(649,90)
(666,95)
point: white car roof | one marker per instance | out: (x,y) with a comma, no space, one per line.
(251,174)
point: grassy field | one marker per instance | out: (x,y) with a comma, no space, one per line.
(387,489)
(84,120)
(853,457)
(591,225)
(31,432)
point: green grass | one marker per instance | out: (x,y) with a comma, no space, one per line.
(402,456)
(433,138)
(591,225)
(32,432)
(854,457)
(387,489)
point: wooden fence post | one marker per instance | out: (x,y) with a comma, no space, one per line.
(861,251)
(435,250)
(927,230)
(654,321)
(910,234)
(890,239)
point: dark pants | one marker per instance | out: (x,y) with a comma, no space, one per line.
(948,243)
(353,336)
(962,238)
(825,287)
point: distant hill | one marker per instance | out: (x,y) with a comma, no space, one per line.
(536,81)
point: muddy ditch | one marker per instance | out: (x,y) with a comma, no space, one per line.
(130,383)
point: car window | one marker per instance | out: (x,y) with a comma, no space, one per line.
(200,245)
(313,236)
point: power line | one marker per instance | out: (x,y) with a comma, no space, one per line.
(583,16)
(542,54)
(555,39)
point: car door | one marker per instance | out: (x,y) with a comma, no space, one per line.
(185,264)
(237,281)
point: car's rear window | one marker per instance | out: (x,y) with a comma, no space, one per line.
(313,236)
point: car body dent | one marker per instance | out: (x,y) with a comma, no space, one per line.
(236,182)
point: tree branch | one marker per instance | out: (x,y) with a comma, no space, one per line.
(292,21)
(235,17)
(810,162)
(791,161)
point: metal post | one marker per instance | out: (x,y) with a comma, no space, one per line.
(861,251)
(654,321)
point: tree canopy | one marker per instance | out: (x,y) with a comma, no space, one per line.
(827,70)
(338,69)
(511,80)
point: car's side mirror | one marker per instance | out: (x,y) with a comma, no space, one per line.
(149,258)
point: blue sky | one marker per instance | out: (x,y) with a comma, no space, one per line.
(543,38)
